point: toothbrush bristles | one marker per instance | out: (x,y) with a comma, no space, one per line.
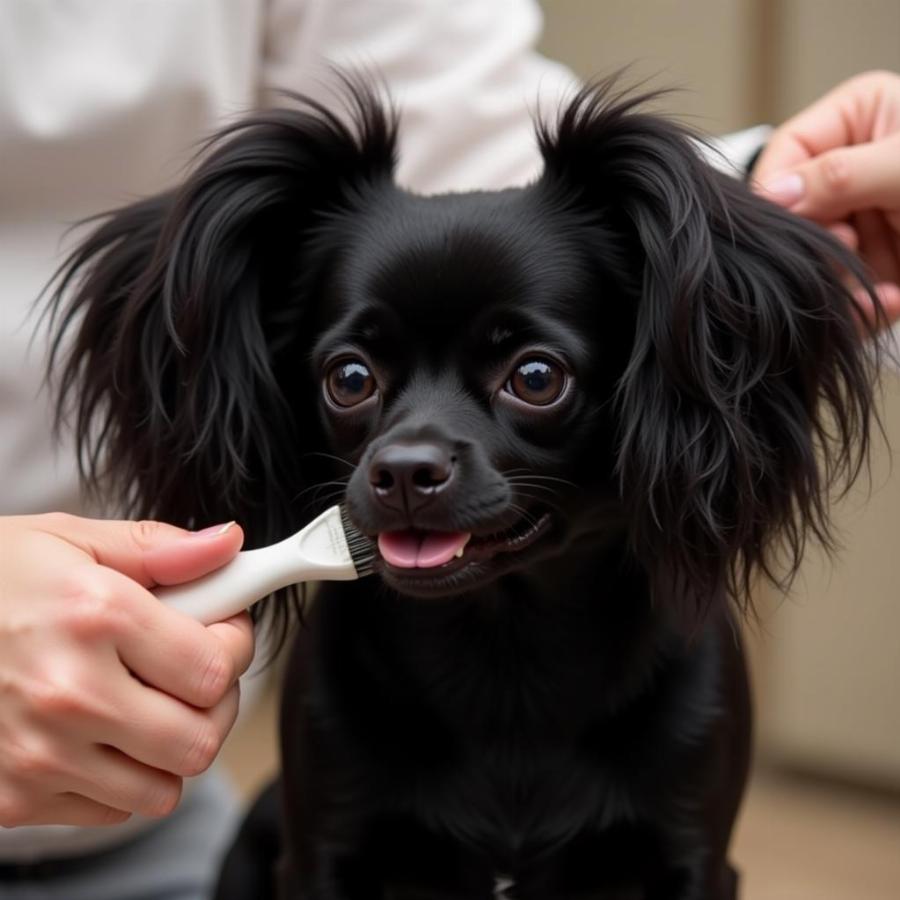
(362,548)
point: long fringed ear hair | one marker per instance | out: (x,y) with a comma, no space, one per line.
(187,313)
(748,396)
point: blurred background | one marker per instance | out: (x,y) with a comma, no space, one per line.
(822,819)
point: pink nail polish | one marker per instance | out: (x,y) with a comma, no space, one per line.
(785,189)
(213,530)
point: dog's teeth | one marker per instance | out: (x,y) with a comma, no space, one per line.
(459,553)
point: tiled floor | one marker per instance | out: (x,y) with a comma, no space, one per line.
(796,839)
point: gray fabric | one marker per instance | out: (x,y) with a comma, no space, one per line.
(177,859)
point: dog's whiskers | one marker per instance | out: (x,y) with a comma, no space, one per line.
(543,501)
(513,476)
(339,483)
(527,482)
(330,456)
(537,487)
(526,514)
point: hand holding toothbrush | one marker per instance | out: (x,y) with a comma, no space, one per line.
(108,698)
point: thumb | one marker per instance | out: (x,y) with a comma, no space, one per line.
(840,182)
(155,553)
(889,297)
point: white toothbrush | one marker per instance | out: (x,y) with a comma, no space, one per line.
(330,548)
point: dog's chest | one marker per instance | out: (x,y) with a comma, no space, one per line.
(499,731)
(514,705)
(519,794)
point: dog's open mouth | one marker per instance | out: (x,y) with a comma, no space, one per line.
(411,549)
(418,556)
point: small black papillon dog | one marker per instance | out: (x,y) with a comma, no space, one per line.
(578,417)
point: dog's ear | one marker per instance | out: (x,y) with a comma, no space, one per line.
(748,395)
(179,322)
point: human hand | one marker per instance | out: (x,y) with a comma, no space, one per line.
(838,163)
(108,698)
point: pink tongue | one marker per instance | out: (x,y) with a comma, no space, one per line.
(420,549)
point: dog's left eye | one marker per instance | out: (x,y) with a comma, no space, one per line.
(349,382)
(537,381)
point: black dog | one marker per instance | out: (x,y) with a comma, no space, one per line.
(618,393)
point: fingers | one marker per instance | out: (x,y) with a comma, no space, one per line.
(70,809)
(838,163)
(153,742)
(152,553)
(144,775)
(889,295)
(844,116)
(889,298)
(237,638)
(110,697)
(846,234)
(819,128)
(49,771)
(169,736)
(110,778)
(163,648)
(841,182)
(879,244)
(196,554)
(160,646)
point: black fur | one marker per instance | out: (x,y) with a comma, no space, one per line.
(573,715)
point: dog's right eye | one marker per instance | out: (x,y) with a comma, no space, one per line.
(537,382)
(349,382)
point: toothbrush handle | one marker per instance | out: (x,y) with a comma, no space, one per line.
(250,576)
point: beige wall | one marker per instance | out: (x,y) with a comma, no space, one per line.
(831,660)
(828,658)
(698,45)
(739,61)
(817,43)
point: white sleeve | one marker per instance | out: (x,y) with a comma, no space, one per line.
(464,75)
(733,153)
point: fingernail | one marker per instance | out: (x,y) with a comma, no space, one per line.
(213,530)
(785,189)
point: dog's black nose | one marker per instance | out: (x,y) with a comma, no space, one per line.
(407,476)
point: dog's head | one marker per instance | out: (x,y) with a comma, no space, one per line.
(632,352)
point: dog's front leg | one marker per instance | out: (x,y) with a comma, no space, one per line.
(408,871)
(431,892)
(713,879)
(723,884)
(335,875)
(605,867)
(710,878)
